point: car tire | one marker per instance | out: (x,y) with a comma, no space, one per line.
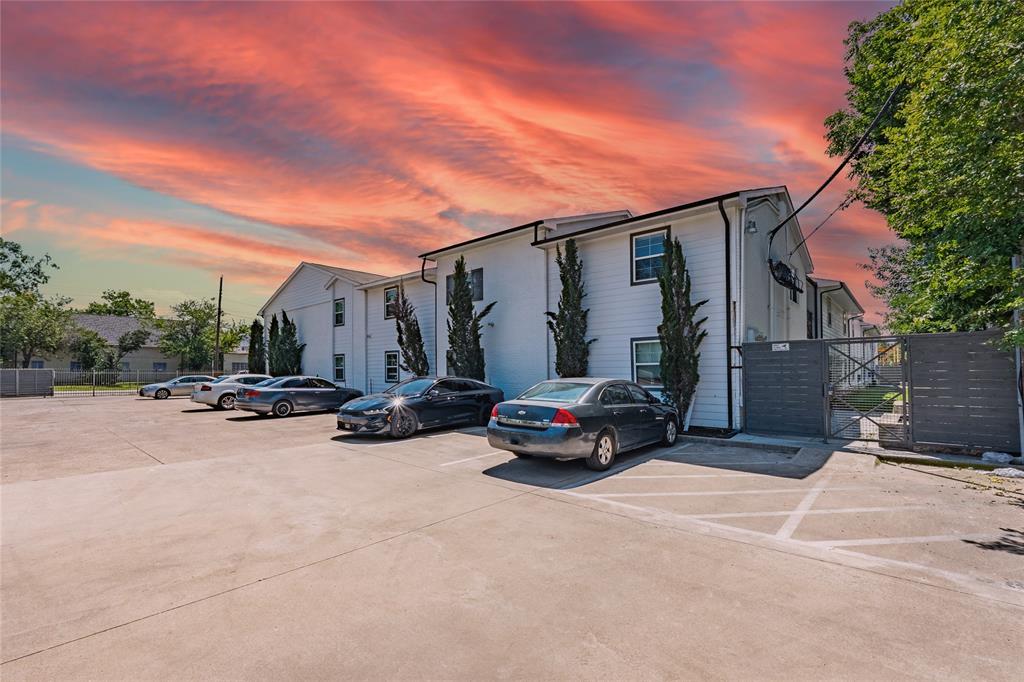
(603,456)
(162,394)
(670,434)
(226,402)
(282,408)
(404,423)
(485,415)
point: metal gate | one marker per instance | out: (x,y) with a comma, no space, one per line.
(866,391)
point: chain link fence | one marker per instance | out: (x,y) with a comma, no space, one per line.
(68,383)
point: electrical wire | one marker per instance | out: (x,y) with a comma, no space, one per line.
(841,206)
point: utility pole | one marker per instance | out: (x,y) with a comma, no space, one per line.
(216,342)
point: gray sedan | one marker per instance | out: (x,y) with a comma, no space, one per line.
(220,393)
(283,395)
(178,386)
(582,418)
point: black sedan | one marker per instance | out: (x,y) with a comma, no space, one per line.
(576,418)
(420,402)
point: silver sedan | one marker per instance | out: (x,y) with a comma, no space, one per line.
(178,386)
(220,393)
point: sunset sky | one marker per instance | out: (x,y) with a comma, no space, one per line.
(153,147)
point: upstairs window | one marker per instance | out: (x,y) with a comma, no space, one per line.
(339,312)
(390,303)
(647,256)
(476,284)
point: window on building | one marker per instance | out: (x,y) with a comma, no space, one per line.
(391,367)
(75,366)
(159,366)
(339,312)
(339,368)
(239,367)
(830,313)
(476,284)
(648,255)
(647,362)
(124,366)
(35,364)
(390,302)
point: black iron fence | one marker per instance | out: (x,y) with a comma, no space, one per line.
(67,383)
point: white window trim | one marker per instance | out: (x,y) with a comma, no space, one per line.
(398,370)
(336,368)
(633,258)
(335,312)
(633,364)
(386,316)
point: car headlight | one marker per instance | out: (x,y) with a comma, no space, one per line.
(375,412)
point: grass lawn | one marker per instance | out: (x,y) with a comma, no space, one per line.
(120,386)
(871,396)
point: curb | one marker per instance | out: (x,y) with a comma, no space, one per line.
(949,464)
(727,442)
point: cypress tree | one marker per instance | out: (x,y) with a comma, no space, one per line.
(465,354)
(410,338)
(257,348)
(569,324)
(680,332)
(290,350)
(274,348)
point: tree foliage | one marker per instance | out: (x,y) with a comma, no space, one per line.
(569,325)
(123,304)
(257,347)
(465,354)
(274,348)
(86,348)
(680,332)
(946,165)
(32,325)
(285,347)
(189,334)
(127,343)
(21,272)
(410,338)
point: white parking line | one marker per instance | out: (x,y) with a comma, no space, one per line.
(704,493)
(470,459)
(797,515)
(845,510)
(910,540)
(688,476)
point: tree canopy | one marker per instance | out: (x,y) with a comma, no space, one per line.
(123,304)
(946,165)
(465,354)
(21,272)
(569,325)
(189,334)
(32,325)
(410,338)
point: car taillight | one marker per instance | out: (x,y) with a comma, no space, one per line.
(494,412)
(251,393)
(205,387)
(564,418)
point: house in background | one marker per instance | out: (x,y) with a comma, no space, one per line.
(344,316)
(147,359)
(834,311)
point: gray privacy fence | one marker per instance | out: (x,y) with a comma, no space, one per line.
(956,390)
(66,383)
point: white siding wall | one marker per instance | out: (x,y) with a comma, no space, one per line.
(344,336)
(310,305)
(382,336)
(515,346)
(620,312)
(837,329)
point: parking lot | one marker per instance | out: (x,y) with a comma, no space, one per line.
(158,539)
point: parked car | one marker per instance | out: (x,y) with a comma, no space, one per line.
(281,396)
(420,402)
(178,386)
(587,418)
(220,393)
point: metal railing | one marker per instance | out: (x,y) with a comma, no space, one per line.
(68,383)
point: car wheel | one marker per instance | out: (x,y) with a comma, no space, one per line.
(485,415)
(668,438)
(604,452)
(403,423)
(226,402)
(162,394)
(282,408)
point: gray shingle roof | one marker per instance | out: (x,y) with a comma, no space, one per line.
(112,327)
(354,275)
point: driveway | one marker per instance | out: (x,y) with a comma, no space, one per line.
(146,539)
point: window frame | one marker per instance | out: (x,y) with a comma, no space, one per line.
(393,303)
(342,356)
(397,367)
(472,288)
(633,281)
(633,364)
(342,302)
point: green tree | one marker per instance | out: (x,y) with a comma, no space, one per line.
(87,348)
(127,343)
(410,338)
(123,304)
(274,349)
(20,272)
(289,348)
(465,354)
(680,332)
(569,325)
(946,165)
(257,347)
(32,325)
(189,334)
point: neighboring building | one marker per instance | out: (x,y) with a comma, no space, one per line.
(834,311)
(725,241)
(146,359)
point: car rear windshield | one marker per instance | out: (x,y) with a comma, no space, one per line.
(411,387)
(556,391)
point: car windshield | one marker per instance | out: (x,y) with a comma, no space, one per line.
(556,391)
(223,377)
(268,382)
(411,387)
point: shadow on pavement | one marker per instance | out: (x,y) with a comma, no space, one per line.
(1012,542)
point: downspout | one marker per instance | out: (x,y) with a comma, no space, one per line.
(423,276)
(728,305)
(817,312)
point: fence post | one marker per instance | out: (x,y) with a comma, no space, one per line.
(94,383)
(17,383)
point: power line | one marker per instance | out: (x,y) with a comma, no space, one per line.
(842,204)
